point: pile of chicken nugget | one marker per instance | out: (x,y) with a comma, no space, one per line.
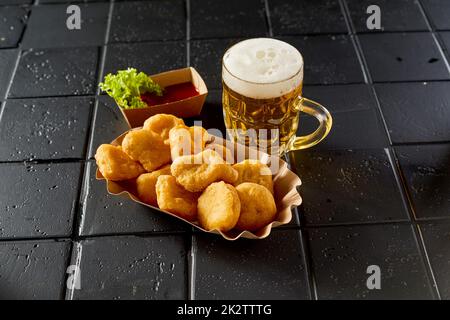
(178,169)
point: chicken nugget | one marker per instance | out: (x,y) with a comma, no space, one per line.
(223,151)
(219,207)
(174,198)
(187,140)
(161,125)
(258,207)
(116,165)
(254,171)
(146,185)
(196,172)
(146,147)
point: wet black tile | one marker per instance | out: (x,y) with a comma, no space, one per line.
(341,256)
(13,21)
(416,112)
(33,270)
(232,18)
(361,129)
(106,214)
(390,57)
(48,128)
(7,61)
(38,200)
(436,237)
(69,1)
(57,71)
(306,17)
(212,112)
(445,38)
(347,187)
(438,12)
(328,59)
(206,58)
(164,56)
(399,15)
(272,268)
(109,123)
(148,20)
(131,268)
(15,2)
(51,21)
(340,98)
(427,176)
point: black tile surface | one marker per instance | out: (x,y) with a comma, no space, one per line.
(211,115)
(38,200)
(206,58)
(438,12)
(148,20)
(391,57)
(48,128)
(427,174)
(56,71)
(436,236)
(131,268)
(15,2)
(359,191)
(416,112)
(232,18)
(51,21)
(347,187)
(328,59)
(445,38)
(235,270)
(32,269)
(108,123)
(70,1)
(398,15)
(306,17)
(341,256)
(164,56)
(360,129)
(342,98)
(106,214)
(8,58)
(12,24)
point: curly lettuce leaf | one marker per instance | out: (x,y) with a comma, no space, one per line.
(126,88)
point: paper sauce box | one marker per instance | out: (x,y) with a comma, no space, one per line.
(185,108)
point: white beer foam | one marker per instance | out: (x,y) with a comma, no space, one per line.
(262,68)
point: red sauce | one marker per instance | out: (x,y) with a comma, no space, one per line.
(171,93)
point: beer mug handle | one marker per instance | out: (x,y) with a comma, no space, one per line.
(325,122)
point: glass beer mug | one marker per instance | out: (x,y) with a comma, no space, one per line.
(262,93)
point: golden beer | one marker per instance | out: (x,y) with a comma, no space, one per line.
(278,115)
(262,93)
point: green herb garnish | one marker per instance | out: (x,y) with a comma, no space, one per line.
(127,86)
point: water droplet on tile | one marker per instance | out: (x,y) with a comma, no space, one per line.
(156,285)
